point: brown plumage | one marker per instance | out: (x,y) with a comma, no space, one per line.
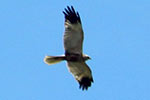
(73,44)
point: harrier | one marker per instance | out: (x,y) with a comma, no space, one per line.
(73,42)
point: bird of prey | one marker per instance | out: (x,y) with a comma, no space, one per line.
(73,42)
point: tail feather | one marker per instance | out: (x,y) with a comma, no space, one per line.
(53,59)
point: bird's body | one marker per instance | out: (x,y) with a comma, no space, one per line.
(73,44)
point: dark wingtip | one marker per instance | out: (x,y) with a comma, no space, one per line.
(71,15)
(85,83)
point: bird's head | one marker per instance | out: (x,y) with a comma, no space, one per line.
(86,57)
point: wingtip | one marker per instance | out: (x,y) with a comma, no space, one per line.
(85,83)
(71,15)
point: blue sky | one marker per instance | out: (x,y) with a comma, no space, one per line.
(117,37)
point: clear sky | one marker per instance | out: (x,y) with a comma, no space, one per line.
(117,37)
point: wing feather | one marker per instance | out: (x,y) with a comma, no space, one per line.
(73,36)
(81,73)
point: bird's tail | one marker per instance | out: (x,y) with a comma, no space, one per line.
(53,59)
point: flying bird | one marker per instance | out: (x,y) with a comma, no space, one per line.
(73,45)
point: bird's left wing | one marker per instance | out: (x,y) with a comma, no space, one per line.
(81,73)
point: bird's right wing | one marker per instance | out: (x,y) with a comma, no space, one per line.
(73,36)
